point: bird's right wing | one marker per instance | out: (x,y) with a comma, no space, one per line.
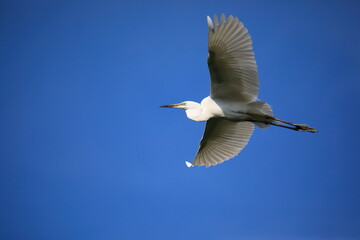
(222,140)
(231,61)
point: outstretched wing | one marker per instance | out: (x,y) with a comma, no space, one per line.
(231,61)
(222,140)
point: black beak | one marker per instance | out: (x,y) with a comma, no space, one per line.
(168,106)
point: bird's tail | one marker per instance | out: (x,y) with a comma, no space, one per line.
(262,108)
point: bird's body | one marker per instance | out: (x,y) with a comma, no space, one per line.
(222,108)
(232,108)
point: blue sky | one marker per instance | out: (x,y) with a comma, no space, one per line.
(86,153)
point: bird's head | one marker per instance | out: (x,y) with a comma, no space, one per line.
(193,109)
(187,105)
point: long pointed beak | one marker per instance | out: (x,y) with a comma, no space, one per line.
(177,105)
(168,106)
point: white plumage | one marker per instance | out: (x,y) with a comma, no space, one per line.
(232,108)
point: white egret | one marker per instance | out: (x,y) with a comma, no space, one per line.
(232,108)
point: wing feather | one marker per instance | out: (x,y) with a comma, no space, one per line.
(231,61)
(222,140)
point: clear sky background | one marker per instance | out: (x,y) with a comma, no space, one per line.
(86,152)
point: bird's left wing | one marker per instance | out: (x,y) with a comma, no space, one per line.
(231,61)
(222,140)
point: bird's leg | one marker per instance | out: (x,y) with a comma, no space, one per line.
(281,123)
(293,126)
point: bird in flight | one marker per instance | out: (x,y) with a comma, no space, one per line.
(232,109)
